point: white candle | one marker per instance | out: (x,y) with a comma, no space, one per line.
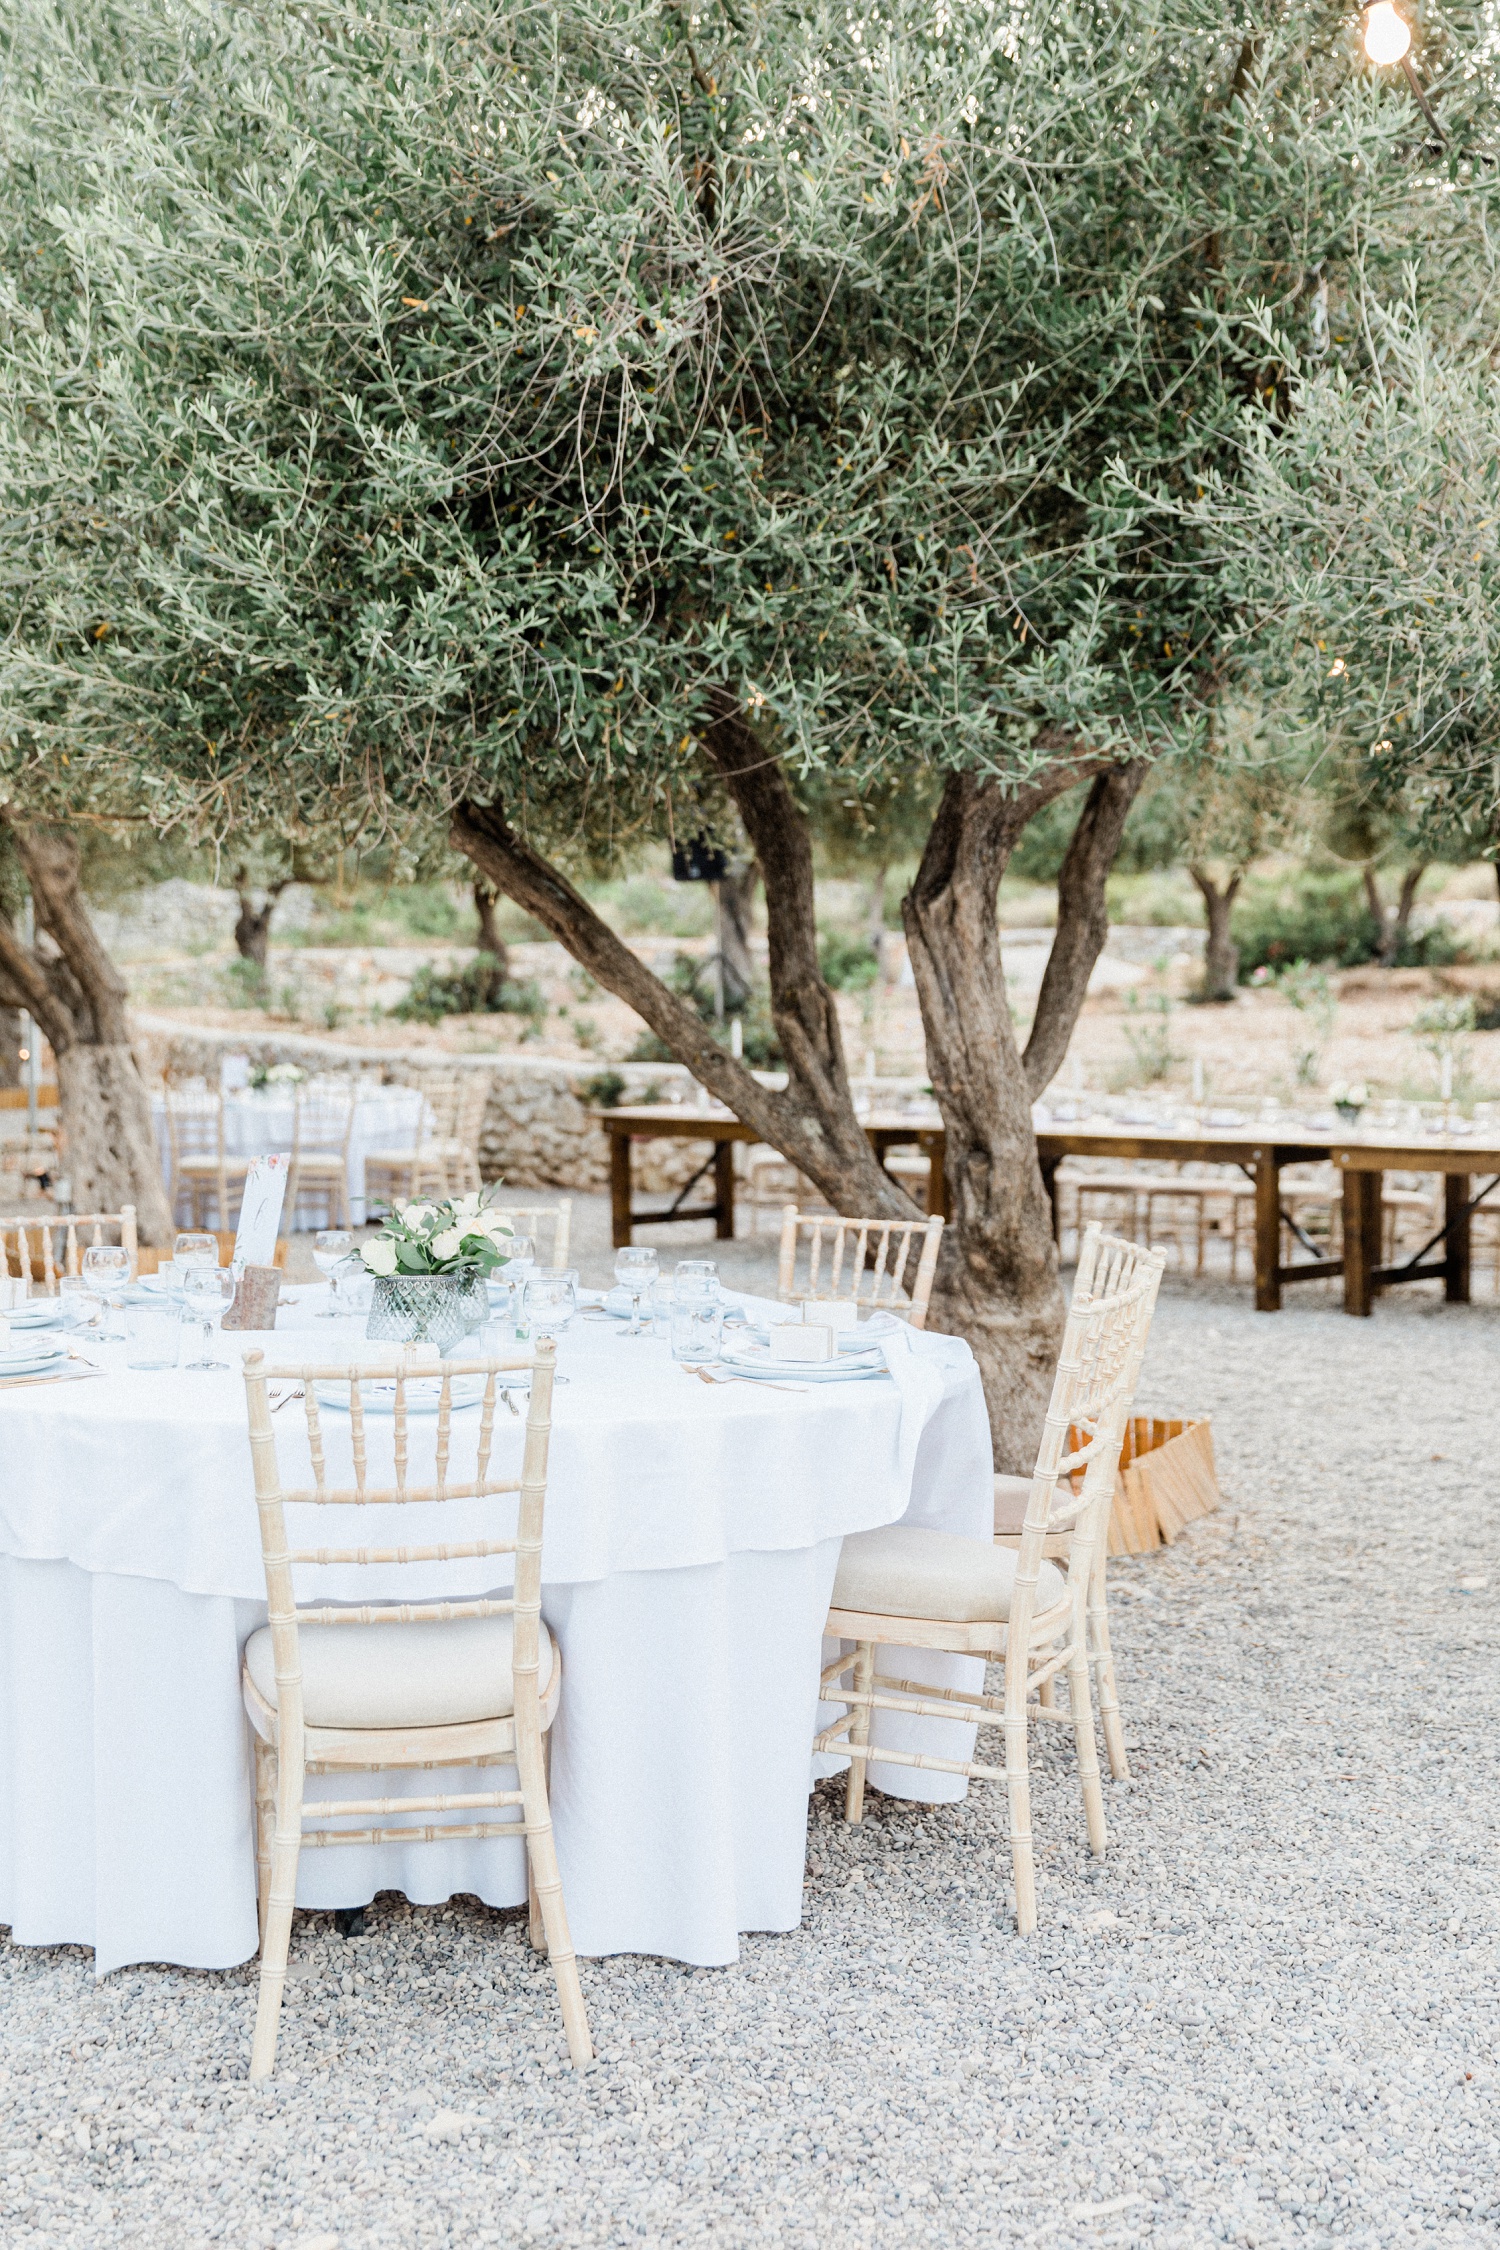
(1447,1078)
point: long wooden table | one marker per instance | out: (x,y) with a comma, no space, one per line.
(1262,1156)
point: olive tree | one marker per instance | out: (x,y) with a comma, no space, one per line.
(556,418)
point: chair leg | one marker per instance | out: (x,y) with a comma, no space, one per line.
(1018,1793)
(1088,1748)
(275,1945)
(541,1852)
(1103,1661)
(265,1821)
(859,1733)
(535,1928)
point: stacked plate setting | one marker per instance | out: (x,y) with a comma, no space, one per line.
(23,1354)
(854,1362)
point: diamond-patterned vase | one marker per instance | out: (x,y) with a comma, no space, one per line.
(424,1308)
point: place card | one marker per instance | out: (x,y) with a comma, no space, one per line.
(792,1339)
(260,1211)
(837,1313)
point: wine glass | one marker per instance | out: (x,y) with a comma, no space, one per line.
(209,1291)
(550,1301)
(331,1246)
(635,1270)
(106,1268)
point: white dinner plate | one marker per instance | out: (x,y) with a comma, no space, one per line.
(36,1359)
(43,1313)
(852,1342)
(755,1359)
(423,1392)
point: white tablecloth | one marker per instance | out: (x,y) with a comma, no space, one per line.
(691,1540)
(261,1124)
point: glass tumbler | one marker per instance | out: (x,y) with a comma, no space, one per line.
(153,1333)
(697,1327)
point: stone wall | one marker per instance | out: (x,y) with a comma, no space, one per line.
(540,1127)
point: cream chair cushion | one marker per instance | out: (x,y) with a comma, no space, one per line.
(1011,1496)
(902,1571)
(424,1675)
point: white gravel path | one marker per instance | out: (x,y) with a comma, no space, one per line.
(1271,2017)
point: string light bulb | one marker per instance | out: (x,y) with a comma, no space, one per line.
(1387,34)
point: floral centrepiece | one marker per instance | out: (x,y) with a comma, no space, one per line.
(431,1262)
(460,1238)
(263,1075)
(1349,1101)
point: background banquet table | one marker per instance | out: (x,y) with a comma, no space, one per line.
(260,1123)
(691,1540)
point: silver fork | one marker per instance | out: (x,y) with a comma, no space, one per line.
(756,1381)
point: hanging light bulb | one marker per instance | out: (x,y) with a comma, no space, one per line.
(1387,34)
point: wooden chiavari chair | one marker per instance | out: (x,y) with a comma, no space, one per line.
(407,1175)
(1106,1265)
(203,1171)
(883,1265)
(461,1682)
(39,1249)
(321,1131)
(905,1587)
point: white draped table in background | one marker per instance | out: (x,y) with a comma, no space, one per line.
(261,1123)
(691,1540)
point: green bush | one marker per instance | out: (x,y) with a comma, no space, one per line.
(848,964)
(1319,914)
(477,989)
(606,1091)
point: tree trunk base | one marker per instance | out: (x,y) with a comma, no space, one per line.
(109,1142)
(1016,1348)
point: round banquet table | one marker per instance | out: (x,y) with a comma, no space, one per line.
(691,1539)
(261,1122)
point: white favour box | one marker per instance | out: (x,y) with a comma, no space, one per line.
(837,1313)
(794,1340)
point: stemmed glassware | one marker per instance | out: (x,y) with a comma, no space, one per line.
(106,1269)
(635,1271)
(209,1291)
(519,1266)
(331,1246)
(195,1250)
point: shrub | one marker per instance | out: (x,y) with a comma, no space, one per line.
(848,964)
(606,1091)
(477,989)
(1319,914)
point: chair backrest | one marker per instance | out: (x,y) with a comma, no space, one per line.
(323,1121)
(526,1217)
(284,1614)
(884,1263)
(1107,1263)
(1104,1341)
(439,1109)
(38,1249)
(473,1101)
(195,1124)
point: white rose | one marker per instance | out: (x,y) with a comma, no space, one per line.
(416,1214)
(493,1227)
(468,1207)
(449,1243)
(380,1256)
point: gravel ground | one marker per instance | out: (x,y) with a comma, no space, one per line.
(1269,2018)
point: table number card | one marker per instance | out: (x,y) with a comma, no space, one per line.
(260,1212)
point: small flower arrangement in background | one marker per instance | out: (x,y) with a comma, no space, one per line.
(463,1236)
(1350,1100)
(263,1075)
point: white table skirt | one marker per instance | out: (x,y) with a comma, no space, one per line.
(257,1124)
(681,1750)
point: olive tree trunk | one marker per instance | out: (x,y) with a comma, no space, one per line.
(1221,956)
(489,940)
(77,997)
(997,1279)
(252,930)
(733,897)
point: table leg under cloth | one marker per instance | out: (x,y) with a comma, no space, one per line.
(125,1812)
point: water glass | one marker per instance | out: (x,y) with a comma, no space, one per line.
(548,1303)
(209,1291)
(106,1269)
(331,1246)
(691,1270)
(697,1328)
(636,1270)
(153,1332)
(76,1301)
(194,1250)
(353,1287)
